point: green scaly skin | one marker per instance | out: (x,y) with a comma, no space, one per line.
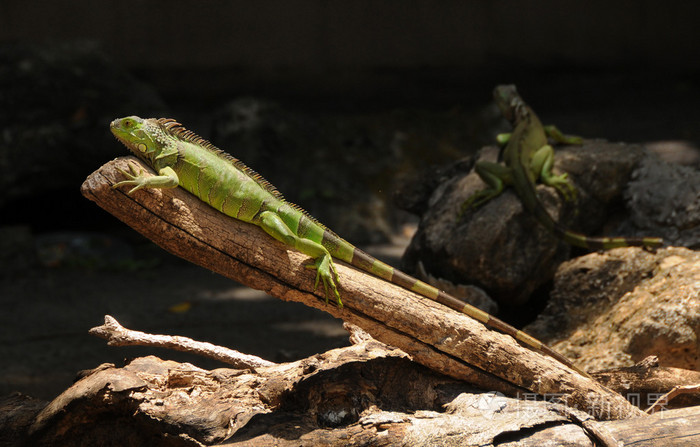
(528,157)
(181,158)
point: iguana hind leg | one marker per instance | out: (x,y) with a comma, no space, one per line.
(496,176)
(541,165)
(323,262)
(555,134)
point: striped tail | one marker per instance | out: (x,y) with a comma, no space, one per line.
(372,265)
(581,240)
(605,243)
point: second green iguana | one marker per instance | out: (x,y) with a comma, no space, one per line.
(181,158)
(528,157)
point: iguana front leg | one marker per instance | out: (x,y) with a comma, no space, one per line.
(555,134)
(166,178)
(551,131)
(541,165)
(496,176)
(323,262)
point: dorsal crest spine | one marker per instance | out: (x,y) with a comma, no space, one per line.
(176,130)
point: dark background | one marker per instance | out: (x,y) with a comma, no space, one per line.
(624,71)
(351,54)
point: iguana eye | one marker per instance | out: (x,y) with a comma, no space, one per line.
(128,122)
(142,147)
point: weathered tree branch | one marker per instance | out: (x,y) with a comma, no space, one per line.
(443,340)
(118,335)
(368,394)
(648,384)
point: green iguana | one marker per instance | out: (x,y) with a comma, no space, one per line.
(181,158)
(528,157)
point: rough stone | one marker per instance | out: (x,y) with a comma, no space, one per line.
(615,308)
(500,247)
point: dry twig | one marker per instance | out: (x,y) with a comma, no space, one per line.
(118,335)
(675,391)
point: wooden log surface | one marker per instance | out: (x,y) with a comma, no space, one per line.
(364,394)
(433,335)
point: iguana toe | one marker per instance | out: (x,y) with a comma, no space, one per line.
(563,186)
(326,273)
(134,178)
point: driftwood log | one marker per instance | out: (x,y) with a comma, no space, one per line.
(646,384)
(365,394)
(445,341)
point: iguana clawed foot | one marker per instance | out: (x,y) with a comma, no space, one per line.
(563,185)
(325,271)
(135,177)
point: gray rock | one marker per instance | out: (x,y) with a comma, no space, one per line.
(665,198)
(502,248)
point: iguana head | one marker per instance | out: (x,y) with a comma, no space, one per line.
(509,102)
(144,137)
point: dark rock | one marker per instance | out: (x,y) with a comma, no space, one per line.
(502,248)
(17,413)
(664,199)
(414,195)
